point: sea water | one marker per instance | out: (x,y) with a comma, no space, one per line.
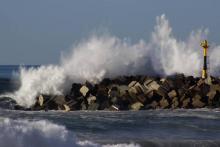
(198,127)
(160,128)
(9,77)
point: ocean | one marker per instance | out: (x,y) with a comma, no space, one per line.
(151,128)
(9,80)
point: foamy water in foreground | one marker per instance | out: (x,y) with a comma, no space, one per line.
(118,129)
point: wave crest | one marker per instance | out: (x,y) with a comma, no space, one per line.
(109,56)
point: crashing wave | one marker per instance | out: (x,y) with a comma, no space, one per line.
(42,133)
(109,56)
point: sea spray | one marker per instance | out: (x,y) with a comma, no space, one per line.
(109,56)
(24,133)
(42,133)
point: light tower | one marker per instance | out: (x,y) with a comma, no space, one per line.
(205,46)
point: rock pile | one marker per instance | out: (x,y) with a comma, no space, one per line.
(136,93)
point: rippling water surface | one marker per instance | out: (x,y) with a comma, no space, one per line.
(199,127)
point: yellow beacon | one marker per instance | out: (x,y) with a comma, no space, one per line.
(205,46)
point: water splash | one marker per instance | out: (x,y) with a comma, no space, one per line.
(109,56)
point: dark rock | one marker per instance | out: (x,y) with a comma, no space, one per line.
(8,103)
(186,103)
(164,103)
(93,106)
(136,106)
(175,103)
(136,93)
(172,94)
(196,102)
(113,108)
(84,91)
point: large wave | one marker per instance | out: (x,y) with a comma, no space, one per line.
(42,133)
(108,56)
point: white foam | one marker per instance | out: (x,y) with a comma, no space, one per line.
(42,133)
(122,145)
(107,56)
(24,133)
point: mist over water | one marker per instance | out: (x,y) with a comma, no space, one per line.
(108,56)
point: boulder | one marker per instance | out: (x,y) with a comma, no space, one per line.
(84,106)
(8,103)
(204,89)
(216,100)
(133,93)
(178,81)
(113,92)
(41,100)
(74,92)
(59,99)
(211,94)
(136,106)
(172,94)
(136,87)
(154,104)
(84,90)
(185,103)
(175,103)
(200,82)
(91,99)
(157,97)
(150,85)
(93,106)
(123,103)
(114,100)
(113,108)
(215,87)
(66,108)
(164,103)
(196,102)
(47,102)
(190,81)
(122,90)
(72,105)
(141,98)
(166,85)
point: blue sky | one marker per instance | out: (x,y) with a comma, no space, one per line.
(36,31)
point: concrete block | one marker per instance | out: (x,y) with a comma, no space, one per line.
(84,90)
(141,98)
(91,99)
(122,89)
(175,103)
(66,107)
(172,94)
(113,108)
(151,85)
(154,104)
(211,94)
(138,89)
(136,106)
(113,92)
(93,106)
(59,99)
(41,100)
(164,103)
(197,103)
(185,103)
